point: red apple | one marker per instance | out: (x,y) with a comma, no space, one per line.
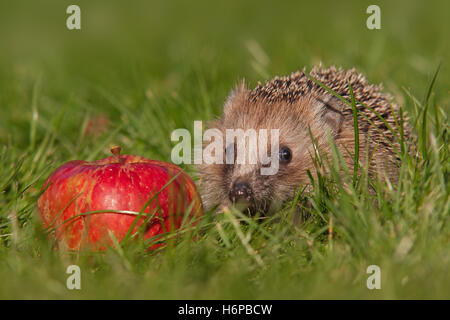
(77,194)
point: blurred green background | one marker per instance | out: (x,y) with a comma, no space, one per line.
(139,69)
(188,54)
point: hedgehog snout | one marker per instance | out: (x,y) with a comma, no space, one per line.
(241,193)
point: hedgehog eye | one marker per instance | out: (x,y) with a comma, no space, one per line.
(285,155)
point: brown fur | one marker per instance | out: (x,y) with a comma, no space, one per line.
(297,107)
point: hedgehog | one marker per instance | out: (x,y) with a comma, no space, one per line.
(309,116)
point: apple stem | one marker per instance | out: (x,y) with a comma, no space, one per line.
(115,150)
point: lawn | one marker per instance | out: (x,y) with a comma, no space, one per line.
(135,72)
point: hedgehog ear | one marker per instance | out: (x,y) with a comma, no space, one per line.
(236,96)
(331,113)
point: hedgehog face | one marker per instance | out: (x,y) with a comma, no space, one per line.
(306,117)
(242,178)
(246,184)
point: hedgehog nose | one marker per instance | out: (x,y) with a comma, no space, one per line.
(241,192)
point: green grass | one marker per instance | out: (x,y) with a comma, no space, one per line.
(136,72)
